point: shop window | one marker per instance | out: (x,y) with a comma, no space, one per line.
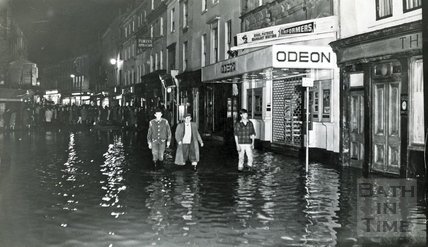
(383,9)
(416,128)
(255,103)
(320,101)
(409,5)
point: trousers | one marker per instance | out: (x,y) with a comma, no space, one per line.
(245,149)
(158,149)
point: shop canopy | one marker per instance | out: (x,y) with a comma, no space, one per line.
(14,95)
(282,57)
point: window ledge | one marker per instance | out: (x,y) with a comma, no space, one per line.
(204,11)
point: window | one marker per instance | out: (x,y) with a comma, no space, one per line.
(214,44)
(260,2)
(133,26)
(126,32)
(156,61)
(416,128)
(151,63)
(153,4)
(215,1)
(184,56)
(203,50)
(204,5)
(320,100)
(228,37)
(185,14)
(161,59)
(161,26)
(172,20)
(383,9)
(151,31)
(410,5)
(132,77)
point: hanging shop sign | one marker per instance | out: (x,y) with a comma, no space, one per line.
(308,27)
(144,44)
(299,56)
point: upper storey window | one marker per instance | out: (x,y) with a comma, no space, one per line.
(383,9)
(409,5)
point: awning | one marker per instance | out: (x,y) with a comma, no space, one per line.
(167,80)
(152,79)
(14,95)
(190,79)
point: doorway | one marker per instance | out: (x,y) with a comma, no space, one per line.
(356,117)
(386,120)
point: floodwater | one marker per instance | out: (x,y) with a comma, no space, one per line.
(93,188)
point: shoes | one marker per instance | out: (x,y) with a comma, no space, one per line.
(240,169)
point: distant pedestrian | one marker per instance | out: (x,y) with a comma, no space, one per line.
(187,137)
(244,138)
(158,135)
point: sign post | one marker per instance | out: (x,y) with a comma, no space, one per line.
(307,83)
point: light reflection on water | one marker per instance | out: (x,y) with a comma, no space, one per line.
(113,169)
(99,189)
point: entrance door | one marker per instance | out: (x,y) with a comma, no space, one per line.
(386,125)
(356,118)
(209,110)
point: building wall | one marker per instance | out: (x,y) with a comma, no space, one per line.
(357,17)
(257,15)
(12,44)
(370,42)
(172,34)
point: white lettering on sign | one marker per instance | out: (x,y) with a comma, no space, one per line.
(295,29)
(229,67)
(298,56)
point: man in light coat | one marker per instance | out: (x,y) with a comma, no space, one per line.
(187,136)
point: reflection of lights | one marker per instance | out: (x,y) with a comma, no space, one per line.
(72,76)
(113,170)
(69,178)
(113,61)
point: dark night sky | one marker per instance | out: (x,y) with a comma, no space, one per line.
(58,29)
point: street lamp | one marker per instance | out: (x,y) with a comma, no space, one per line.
(113,61)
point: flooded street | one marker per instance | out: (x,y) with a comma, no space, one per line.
(99,188)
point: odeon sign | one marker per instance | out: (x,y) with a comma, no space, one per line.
(293,56)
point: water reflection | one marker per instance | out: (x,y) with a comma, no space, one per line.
(322,205)
(101,188)
(113,169)
(67,184)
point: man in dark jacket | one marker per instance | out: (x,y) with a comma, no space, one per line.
(158,135)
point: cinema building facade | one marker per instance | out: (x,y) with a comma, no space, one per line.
(267,77)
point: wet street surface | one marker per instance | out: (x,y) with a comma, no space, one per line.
(99,188)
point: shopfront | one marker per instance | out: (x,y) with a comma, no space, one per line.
(383,100)
(268,83)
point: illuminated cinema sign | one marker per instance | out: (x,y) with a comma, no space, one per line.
(300,56)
